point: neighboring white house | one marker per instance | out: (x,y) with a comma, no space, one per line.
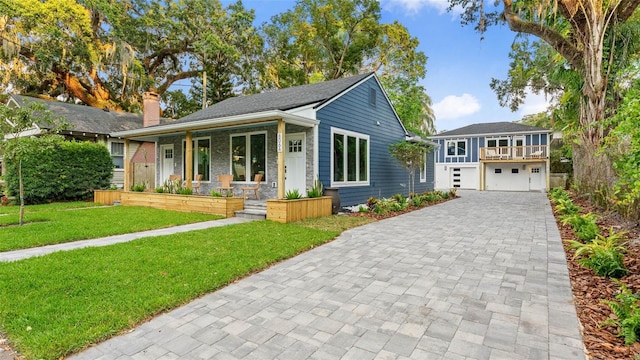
(493,156)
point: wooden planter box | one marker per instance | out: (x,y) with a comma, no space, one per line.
(225,206)
(285,211)
(106,197)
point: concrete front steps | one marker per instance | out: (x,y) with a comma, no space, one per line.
(253,209)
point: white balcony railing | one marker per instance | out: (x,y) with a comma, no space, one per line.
(514,152)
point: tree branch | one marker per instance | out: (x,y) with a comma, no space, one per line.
(626,9)
(568,50)
(173,78)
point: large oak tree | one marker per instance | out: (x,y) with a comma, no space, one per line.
(578,30)
(106,53)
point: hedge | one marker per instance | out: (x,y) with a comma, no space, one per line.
(59,170)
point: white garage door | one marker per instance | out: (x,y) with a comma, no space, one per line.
(508,177)
(464,178)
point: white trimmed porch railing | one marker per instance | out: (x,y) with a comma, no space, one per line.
(530,152)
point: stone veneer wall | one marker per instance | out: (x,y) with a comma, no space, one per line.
(221,152)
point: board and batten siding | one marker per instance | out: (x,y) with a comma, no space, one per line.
(352,111)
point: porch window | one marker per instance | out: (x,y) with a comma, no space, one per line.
(350,160)
(117,154)
(457,148)
(201,149)
(497,142)
(248,156)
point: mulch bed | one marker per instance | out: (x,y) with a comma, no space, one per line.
(602,342)
(390,214)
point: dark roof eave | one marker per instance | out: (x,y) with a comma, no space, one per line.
(228,121)
(451,136)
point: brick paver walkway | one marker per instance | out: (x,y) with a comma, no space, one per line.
(481,277)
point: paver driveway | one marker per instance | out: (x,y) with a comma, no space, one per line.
(480,277)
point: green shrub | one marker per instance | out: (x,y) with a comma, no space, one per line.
(58,170)
(604,255)
(417,201)
(559,193)
(160,189)
(293,194)
(215,193)
(566,207)
(316,190)
(627,311)
(185,191)
(172,186)
(138,187)
(584,225)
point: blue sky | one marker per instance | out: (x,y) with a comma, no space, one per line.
(460,64)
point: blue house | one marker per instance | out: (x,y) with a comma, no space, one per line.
(336,131)
(493,156)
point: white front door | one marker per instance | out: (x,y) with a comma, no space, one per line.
(295,163)
(166,154)
(537,178)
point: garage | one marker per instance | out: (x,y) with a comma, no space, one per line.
(464,177)
(515,177)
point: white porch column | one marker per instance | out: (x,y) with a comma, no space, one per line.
(188,167)
(281,168)
(128,174)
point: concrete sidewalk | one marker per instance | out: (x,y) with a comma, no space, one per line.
(43,250)
(481,277)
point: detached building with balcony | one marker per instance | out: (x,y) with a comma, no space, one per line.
(500,156)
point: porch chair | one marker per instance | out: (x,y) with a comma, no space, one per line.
(254,188)
(175,177)
(225,183)
(196,187)
(490,154)
(536,154)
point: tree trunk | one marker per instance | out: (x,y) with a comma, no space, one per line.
(593,169)
(21,194)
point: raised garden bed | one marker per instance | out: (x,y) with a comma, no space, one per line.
(285,211)
(225,206)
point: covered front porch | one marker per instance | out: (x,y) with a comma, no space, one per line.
(278,145)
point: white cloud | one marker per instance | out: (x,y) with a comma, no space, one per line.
(534,104)
(453,107)
(414,6)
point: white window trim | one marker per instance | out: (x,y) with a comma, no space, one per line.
(497,139)
(247,135)
(195,155)
(124,152)
(423,169)
(358,136)
(456,141)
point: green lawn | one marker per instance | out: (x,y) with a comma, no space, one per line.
(59,303)
(64,222)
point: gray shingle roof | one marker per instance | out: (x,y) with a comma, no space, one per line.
(492,128)
(86,118)
(282,99)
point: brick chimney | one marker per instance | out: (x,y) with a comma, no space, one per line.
(150,109)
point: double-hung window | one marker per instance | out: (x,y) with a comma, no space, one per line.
(117,154)
(249,156)
(201,150)
(456,148)
(350,158)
